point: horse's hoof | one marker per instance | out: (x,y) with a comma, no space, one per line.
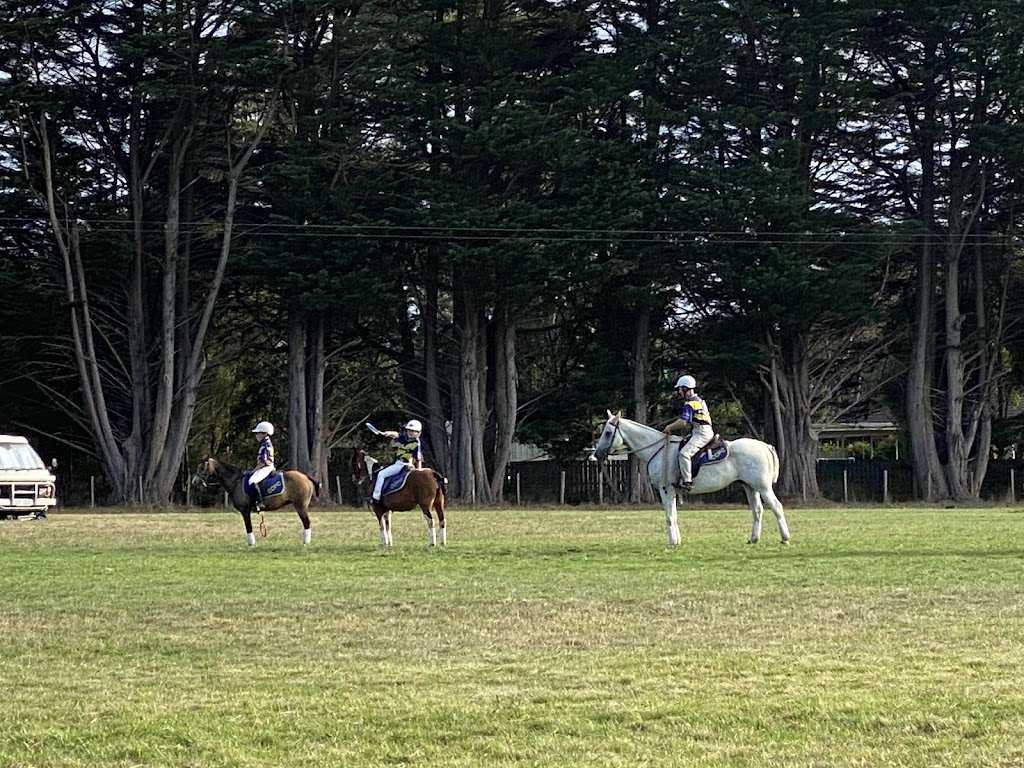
(752,541)
(784,543)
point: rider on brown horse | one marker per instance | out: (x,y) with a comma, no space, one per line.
(408,453)
(264,462)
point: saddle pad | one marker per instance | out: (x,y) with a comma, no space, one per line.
(712,455)
(395,482)
(271,485)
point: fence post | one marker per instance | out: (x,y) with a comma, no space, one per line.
(561,490)
(140,489)
(1013,490)
(885,486)
(519,498)
(846,486)
(600,487)
(225,498)
(92,491)
(337,482)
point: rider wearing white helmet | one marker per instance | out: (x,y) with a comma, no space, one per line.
(694,412)
(264,460)
(408,453)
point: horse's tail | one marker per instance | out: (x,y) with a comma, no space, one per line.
(775,463)
(316,484)
(442,485)
(442,481)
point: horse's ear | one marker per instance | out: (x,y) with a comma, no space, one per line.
(611,415)
(619,414)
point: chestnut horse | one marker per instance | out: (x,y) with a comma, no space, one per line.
(299,489)
(424,488)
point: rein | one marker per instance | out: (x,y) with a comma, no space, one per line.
(663,441)
(642,447)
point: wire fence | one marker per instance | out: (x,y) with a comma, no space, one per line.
(848,481)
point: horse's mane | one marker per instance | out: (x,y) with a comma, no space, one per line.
(228,467)
(654,431)
(640,424)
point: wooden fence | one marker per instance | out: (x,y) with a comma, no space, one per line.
(846,481)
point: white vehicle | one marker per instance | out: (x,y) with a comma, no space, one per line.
(27,487)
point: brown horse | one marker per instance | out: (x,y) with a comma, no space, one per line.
(424,488)
(299,490)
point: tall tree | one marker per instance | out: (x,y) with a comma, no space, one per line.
(121,112)
(764,130)
(945,83)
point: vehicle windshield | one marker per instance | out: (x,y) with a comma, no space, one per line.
(19,456)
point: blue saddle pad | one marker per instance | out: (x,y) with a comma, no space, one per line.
(395,482)
(710,455)
(271,485)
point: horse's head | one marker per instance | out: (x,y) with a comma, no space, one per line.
(362,464)
(611,438)
(206,473)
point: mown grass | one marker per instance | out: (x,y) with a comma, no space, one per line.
(880,637)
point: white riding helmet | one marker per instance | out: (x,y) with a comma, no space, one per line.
(686,381)
(264,426)
(414,425)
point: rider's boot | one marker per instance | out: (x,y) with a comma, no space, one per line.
(683,485)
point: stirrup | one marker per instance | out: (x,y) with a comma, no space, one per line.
(685,487)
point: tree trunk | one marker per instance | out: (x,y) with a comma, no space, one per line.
(437,435)
(792,413)
(298,424)
(472,478)
(316,374)
(306,371)
(506,403)
(641,490)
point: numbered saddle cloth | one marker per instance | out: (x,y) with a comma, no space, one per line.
(271,485)
(395,482)
(714,452)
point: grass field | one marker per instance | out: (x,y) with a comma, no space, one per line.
(880,637)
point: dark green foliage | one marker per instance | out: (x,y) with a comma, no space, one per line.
(745,176)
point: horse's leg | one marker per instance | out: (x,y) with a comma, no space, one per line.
(384,523)
(302,508)
(250,537)
(668,500)
(756,510)
(431,534)
(776,507)
(439,508)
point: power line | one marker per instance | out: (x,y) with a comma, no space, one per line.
(533,234)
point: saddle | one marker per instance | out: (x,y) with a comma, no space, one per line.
(271,485)
(712,453)
(395,482)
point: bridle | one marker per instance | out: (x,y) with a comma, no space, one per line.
(204,479)
(629,450)
(212,478)
(663,441)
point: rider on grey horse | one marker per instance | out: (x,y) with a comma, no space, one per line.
(694,412)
